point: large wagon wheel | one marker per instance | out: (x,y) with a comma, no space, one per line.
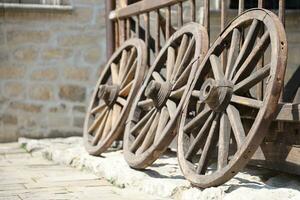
(113,96)
(224,117)
(155,110)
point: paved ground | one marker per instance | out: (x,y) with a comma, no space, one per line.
(23,176)
(164,178)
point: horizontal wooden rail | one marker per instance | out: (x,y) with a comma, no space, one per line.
(141,7)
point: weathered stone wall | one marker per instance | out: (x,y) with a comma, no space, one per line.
(49,61)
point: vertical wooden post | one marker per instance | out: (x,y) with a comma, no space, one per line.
(260,64)
(168,22)
(281,14)
(179,15)
(110,28)
(157,33)
(223,22)
(147,34)
(241,6)
(128,28)
(261,3)
(137,26)
(193,10)
(207,17)
(282,11)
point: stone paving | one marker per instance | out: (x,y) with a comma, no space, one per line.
(30,176)
(164,177)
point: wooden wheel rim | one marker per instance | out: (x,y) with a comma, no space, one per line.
(155,150)
(264,116)
(138,59)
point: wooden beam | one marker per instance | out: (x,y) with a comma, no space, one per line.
(141,7)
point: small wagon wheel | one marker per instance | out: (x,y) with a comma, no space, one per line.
(224,119)
(155,111)
(113,96)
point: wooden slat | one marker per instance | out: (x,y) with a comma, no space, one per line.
(137,26)
(157,33)
(141,7)
(241,6)
(179,15)
(288,112)
(281,11)
(147,35)
(193,10)
(168,22)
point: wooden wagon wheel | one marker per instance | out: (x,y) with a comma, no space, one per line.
(113,96)
(224,118)
(155,111)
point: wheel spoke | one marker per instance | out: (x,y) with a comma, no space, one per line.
(181,50)
(202,165)
(182,79)
(233,51)
(253,103)
(163,120)
(145,104)
(98,108)
(157,77)
(142,121)
(196,93)
(224,141)
(236,125)
(130,75)
(247,46)
(196,143)
(97,121)
(107,126)
(185,58)
(138,140)
(170,62)
(171,105)
(100,129)
(123,62)
(252,59)
(115,114)
(216,67)
(150,135)
(121,101)
(125,91)
(131,60)
(114,73)
(198,120)
(177,94)
(246,84)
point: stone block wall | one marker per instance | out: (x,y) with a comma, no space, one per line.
(49,62)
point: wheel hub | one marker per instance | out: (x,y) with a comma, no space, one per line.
(108,93)
(158,92)
(216,94)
